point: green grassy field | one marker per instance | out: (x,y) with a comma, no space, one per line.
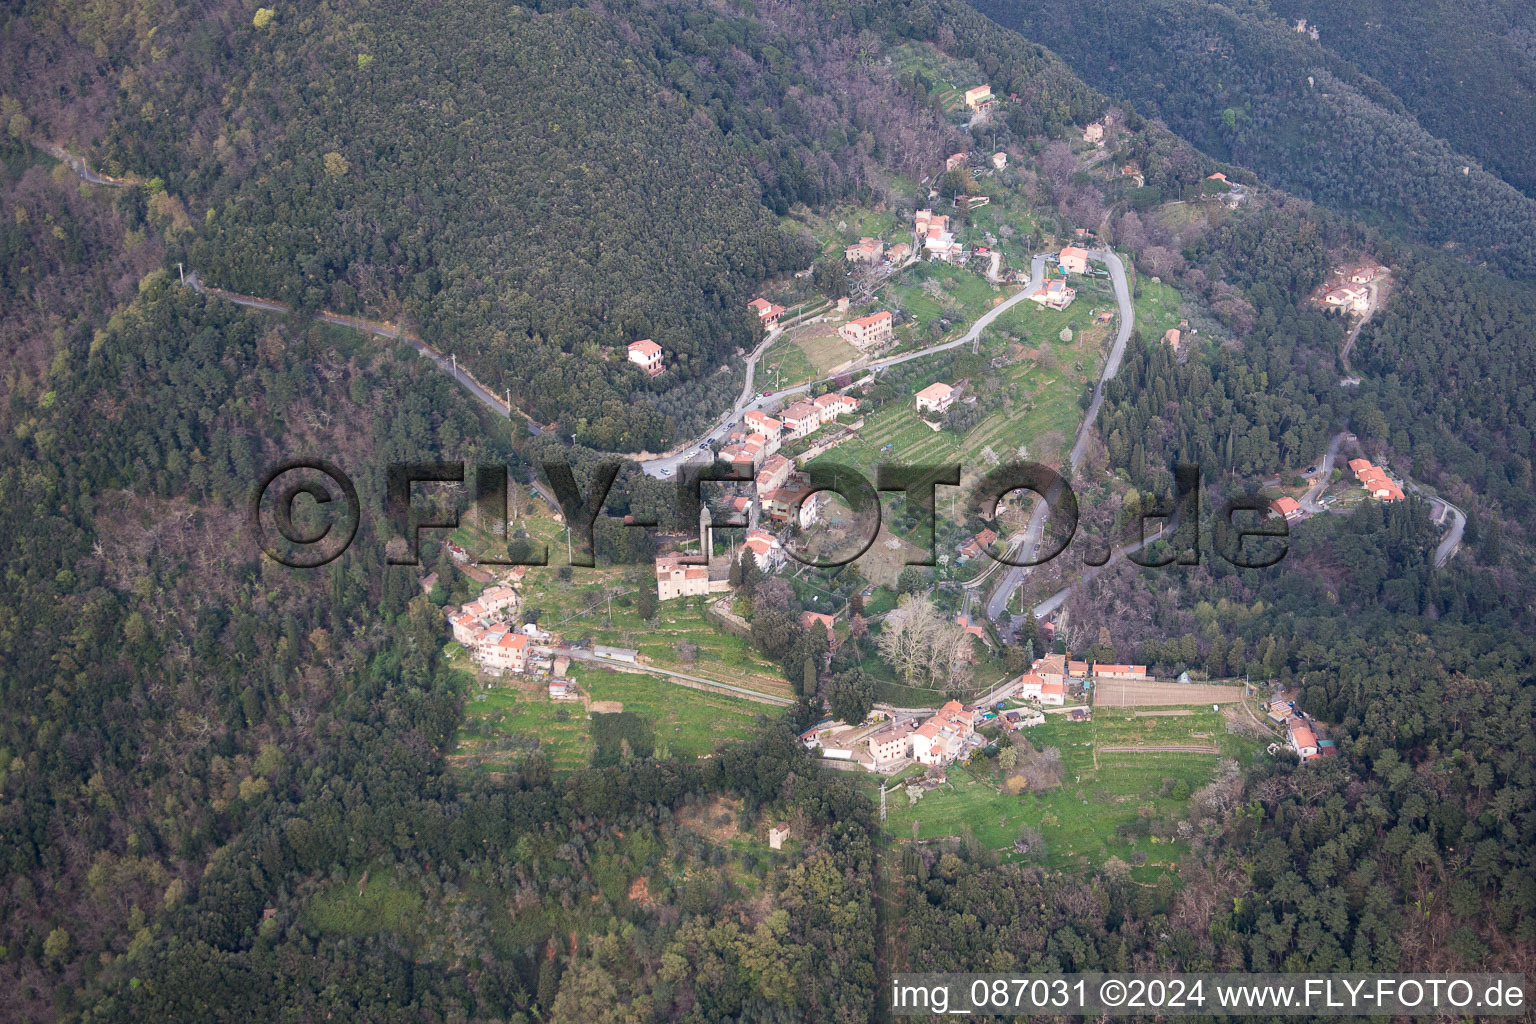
(1100,792)
(503,724)
(688,723)
(1157,309)
(1041,413)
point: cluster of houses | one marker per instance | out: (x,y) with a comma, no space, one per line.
(871,251)
(941,739)
(1354,295)
(933,234)
(1050,678)
(1375,480)
(778,488)
(1300,732)
(499,647)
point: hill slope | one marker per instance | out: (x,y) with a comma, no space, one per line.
(1245,88)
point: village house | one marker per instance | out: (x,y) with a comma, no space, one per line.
(1053,692)
(975,630)
(764,548)
(1375,480)
(933,232)
(465,628)
(775,472)
(1288,508)
(979,98)
(675,579)
(1350,298)
(935,398)
(800,419)
(767,313)
(1094,133)
(809,619)
(898,253)
(943,737)
(747,454)
(1171,337)
(974,546)
(1363,274)
(759,422)
(1103,671)
(647,355)
(999,160)
(779,504)
(891,744)
(1302,739)
(1052,666)
(865,250)
(955,161)
(776,836)
(833,404)
(508,653)
(868,330)
(1054,293)
(1074,260)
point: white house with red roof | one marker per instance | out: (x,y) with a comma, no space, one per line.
(1288,508)
(1375,480)
(868,330)
(943,737)
(1074,260)
(646,354)
(764,548)
(935,398)
(767,313)
(1302,739)
(759,422)
(1054,294)
(500,651)
(775,472)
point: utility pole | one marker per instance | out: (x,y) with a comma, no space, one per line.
(882,801)
(569,560)
(180,274)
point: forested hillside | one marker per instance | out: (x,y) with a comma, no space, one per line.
(533,188)
(1244,87)
(1468,74)
(224,787)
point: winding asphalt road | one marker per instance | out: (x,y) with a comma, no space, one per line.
(667,465)
(1029,541)
(444,363)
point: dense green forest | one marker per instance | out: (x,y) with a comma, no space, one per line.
(532,187)
(223,785)
(1469,80)
(1245,88)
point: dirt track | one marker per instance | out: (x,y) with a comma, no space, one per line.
(1122,693)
